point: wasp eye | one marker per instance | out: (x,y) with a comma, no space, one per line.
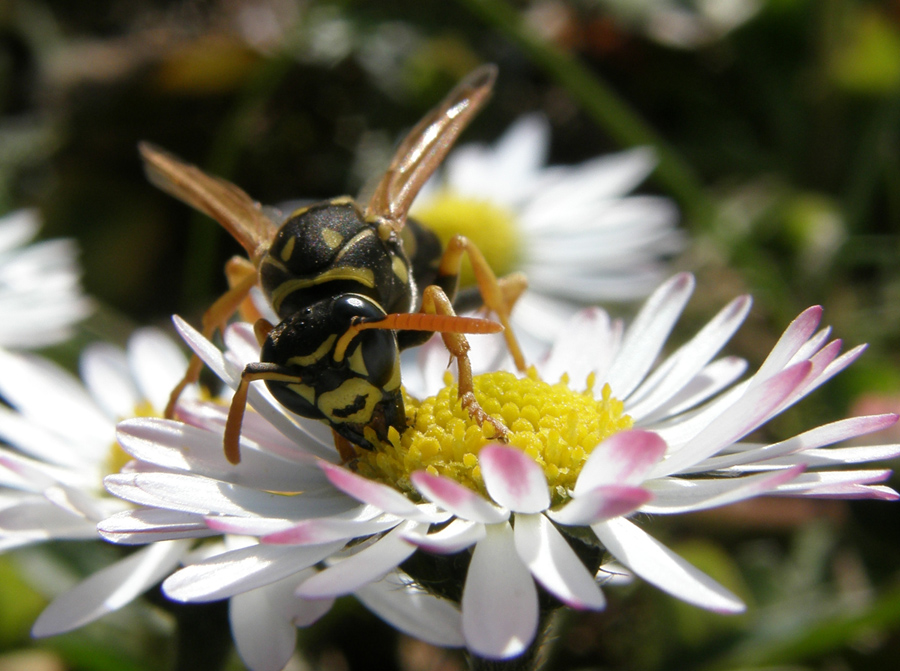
(350,306)
(380,354)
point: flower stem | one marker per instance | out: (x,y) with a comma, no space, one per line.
(602,103)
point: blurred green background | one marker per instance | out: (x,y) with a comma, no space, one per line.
(777,123)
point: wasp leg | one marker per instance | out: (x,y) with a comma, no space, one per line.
(344,447)
(498,296)
(255,370)
(215,318)
(236,269)
(435,301)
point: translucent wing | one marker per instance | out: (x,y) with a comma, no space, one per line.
(427,144)
(239,214)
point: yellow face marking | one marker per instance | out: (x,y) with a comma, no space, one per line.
(364,276)
(400,269)
(357,364)
(394,382)
(288,249)
(309,359)
(342,200)
(332,238)
(305,392)
(346,396)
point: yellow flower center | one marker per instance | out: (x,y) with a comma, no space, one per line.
(491,227)
(554,425)
(116,458)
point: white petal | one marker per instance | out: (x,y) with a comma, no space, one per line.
(105,373)
(258,399)
(648,333)
(149,525)
(190,493)
(413,611)
(659,566)
(236,571)
(690,359)
(157,365)
(513,479)
(110,588)
(367,565)
(177,446)
(262,624)
(459,500)
(554,564)
(453,538)
(676,495)
(499,603)
(52,398)
(39,519)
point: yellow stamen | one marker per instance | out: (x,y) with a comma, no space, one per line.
(554,425)
(116,458)
(490,226)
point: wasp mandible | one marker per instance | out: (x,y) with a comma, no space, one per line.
(352,286)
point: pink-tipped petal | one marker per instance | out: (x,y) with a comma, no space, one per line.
(794,337)
(554,564)
(499,603)
(324,530)
(600,504)
(736,421)
(513,479)
(659,566)
(376,494)
(625,458)
(457,499)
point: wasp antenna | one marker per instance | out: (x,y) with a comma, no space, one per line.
(422,321)
(253,371)
(232,438)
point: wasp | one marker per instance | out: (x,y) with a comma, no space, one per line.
(352,286)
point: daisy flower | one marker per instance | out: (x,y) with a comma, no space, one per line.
(62,437)
(573,230)
(492,527)
(40,292)
(684,24)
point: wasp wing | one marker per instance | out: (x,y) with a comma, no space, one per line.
(237,212)
(426,145)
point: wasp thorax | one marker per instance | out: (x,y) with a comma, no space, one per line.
(352,384)
(329,249)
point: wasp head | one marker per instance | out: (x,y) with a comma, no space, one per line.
(350,378)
